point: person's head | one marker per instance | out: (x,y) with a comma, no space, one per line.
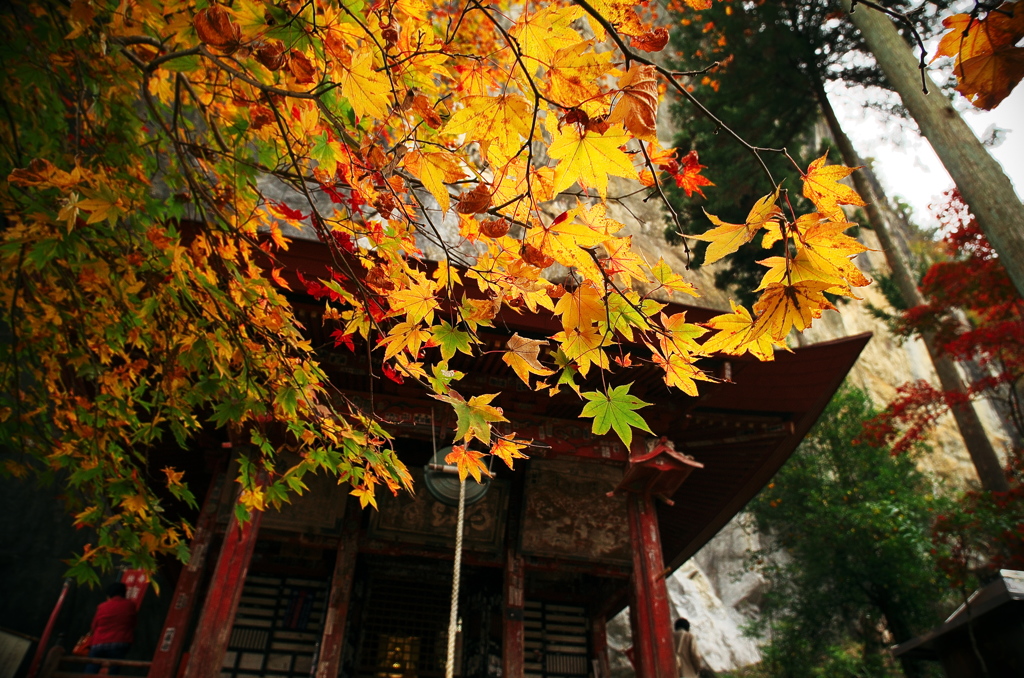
(117,590)
(682,624)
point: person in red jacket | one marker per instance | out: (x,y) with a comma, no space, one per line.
(113,628)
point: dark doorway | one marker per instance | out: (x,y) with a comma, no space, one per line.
(403,606)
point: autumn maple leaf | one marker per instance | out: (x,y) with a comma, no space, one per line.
(508,448)
(498,124)
(470,462)
(988,64)
(588,158)
(523,357)
(783,307)
(688,176)
(727,238)
(733,336)
(822,187)
(637,107)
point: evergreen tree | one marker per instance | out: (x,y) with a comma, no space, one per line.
(849,564)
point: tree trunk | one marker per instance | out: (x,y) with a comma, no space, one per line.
(984,186)
(986,463)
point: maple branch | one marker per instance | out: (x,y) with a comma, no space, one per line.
(317,221)
(665,200)
(269,89)
(903,17)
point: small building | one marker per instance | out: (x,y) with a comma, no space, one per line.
(552,550)
(984,636)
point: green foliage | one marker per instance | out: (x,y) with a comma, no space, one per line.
(848,526)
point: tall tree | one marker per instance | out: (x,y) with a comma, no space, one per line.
(805,40)
(979,178)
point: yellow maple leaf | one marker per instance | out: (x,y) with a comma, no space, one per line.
(727,238)
(366,89)
(732,335)
(829,248)
(822,187)
(540,34)
(135,503)
(563,239)
(595,216)
(408,336)
(679,336)
(498,124)
(434,170)
(780,308)
(671,281)
(823,254)
(621,14)
(523,357)
(680,372)
(417,302)
(365,494)
(584,345)
(583,307)
(589,157)
(574,74)
(799,269)
(622,260)
(508,448)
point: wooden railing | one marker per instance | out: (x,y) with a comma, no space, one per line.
(58,664)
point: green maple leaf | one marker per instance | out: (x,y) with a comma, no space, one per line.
(473,416)
(615,409)
(451,340)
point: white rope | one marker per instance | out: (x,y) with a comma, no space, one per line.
(449,671)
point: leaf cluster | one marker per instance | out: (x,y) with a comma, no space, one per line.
(157,156)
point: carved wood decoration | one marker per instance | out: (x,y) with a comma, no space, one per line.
(569,515)
(421,519)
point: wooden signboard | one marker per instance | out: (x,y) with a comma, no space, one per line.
(569,515)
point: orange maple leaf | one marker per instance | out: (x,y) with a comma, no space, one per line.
(988,63)
(508,448)
(469,462)
(637,106)
(688,176)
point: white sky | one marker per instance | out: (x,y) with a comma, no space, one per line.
(904,161)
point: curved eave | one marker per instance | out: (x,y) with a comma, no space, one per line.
(796,386)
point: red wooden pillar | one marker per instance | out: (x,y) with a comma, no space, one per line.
(649,613)
(513,632)
(172,638)
(218,616)
(599,641)
(333,638)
